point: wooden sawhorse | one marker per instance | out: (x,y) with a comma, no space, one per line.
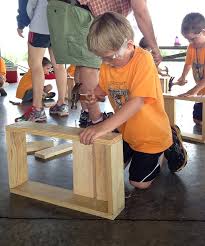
(98,170)
(169,102)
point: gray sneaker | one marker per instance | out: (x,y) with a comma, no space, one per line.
(33,115)
(61,110)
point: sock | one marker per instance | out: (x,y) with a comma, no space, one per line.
(97,121)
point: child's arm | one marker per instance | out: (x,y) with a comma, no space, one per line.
(131,107)
(182,80)
(22,18)
(195,90)
(25,14)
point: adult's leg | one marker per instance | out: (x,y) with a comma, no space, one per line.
(61,78)
(89,79)
(77,80)
(35,56)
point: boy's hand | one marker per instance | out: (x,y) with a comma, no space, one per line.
(20,32)
(181,81)
(91,133)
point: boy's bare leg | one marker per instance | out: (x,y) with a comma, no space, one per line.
(61,78)
(89,79)
(35,56)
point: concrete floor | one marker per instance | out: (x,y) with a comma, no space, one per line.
(170,213)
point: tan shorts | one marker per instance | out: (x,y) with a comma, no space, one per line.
(69,26)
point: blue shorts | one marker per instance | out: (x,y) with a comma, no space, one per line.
(39,40)
(144,167)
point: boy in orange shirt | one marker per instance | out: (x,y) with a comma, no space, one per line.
(2,77)
(24,89)
(193,29)
(129,77)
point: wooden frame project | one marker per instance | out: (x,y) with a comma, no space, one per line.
(169,101)
(165,84)
(98,170)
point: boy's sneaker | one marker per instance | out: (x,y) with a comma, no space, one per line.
(176,155)
(3,92)
(61,110)
(84,120)
(33,115)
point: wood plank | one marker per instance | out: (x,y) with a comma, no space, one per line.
(192,137)
(54,151)
(32,147)
(64,198)
(83,170)
(17,158)
(169,105)
(62,132)
(115,178)
(99,155)
(192,98)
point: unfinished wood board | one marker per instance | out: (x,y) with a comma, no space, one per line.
(170,108)
(164,84)
(87,169)
(17,158)
(54,151)
(83,170)
(62,132)
(32,147)
(64,198)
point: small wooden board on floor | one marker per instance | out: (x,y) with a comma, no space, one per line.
(32,147)
(54,151)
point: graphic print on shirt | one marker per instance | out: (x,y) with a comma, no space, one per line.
(119,93)
(198,68)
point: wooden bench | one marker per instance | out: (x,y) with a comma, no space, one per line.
(170,101)
(98,172)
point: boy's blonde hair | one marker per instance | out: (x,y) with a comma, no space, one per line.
(108,32)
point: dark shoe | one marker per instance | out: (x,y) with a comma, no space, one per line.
(176,155)
(84,120)
(61,110)
(33,115)
(3,92)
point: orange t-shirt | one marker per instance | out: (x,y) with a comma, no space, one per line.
(24,84)
(148,130)
(71,70)
(196,58)
(2,67)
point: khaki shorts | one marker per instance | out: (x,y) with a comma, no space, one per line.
(69,26)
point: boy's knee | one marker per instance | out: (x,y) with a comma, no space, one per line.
(141,185)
